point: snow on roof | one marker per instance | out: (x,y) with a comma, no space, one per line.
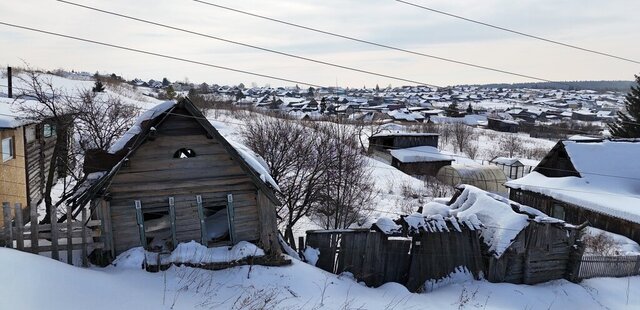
(136,128)
(388,226)
(405,134)
(609,182)
(9,117)
(256,163)
(492,214)
(420,154)
(512,161)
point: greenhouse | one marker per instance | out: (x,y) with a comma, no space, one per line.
(488,178)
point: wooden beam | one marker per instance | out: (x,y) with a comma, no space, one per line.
(6,211)
(19,223)
(172,218)
(203,225)
(69,232)
(140,220)
(231,217)
(54,234)
(33,212)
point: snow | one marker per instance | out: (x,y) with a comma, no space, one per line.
(311,255)
(420,154)
(256,163)
(136,128)
(620,245)
(387,226)
(196,253)
(9,117)
(298,286)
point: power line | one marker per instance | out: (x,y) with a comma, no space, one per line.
(376,44)
(518,32)
(157,54)
(248,45)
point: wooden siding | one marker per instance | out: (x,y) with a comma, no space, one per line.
(12,172)
(38,160)
(152,175)
(420,168)
(577,215)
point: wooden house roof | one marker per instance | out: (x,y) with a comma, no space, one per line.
(102,166)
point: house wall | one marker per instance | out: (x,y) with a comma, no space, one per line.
(39,150)
(420,168)
(152,175)
(12,172)
(576,215)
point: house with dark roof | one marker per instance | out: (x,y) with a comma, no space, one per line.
(174,178)
(587,180)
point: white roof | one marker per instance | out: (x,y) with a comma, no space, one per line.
(420,154)
(609,182)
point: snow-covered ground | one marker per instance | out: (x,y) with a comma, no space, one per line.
(35,282)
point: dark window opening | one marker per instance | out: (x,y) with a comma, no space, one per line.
(558,211)
(217,224)
(157,229)
(184,153)
(48,130)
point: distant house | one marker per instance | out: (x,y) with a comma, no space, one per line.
(174,178)
(584,115)
(27,148)
(420,160)
(386,141)
(593,180)
(502,125)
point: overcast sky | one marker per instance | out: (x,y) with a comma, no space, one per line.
(610,26)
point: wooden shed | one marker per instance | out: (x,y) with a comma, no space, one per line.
(587,180)
(386,141)
(174,178)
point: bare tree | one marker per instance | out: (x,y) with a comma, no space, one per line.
(365,129)
(297,161)
(511,144)
(347,188)
(462,133)
(101,119)
(41,102)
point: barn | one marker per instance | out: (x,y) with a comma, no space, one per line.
(420,160)
(587,180)
(174,178)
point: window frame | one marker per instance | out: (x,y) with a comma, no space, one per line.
(7,156)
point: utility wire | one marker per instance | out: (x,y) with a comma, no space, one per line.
(518,32)
(248,45)
(156,54)
(376,44)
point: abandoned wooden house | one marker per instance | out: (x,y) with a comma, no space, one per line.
(27,148)
(502,125)
(476,232)
(520,244)
(174,178)
(587,180)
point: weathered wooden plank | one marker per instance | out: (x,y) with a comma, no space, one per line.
(231,216)
(140,221)
(84,251)
(6,212)
(54,234)
(19,223)
(33,214)
(172,221)
(210,184)
(69,232)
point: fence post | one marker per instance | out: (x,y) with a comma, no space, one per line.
(85,262)
(33,212)
(6,211)
(19,227)
(203,226)
(69,238)
(172,220)
(54,234)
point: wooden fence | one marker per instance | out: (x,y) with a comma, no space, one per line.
(54,237)
(608,266)
(375,258)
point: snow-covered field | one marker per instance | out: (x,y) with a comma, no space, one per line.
(36,282)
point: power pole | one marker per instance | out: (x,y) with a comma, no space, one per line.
(9,83)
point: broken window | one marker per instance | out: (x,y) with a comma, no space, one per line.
(157,229)
(217,223)
(184,153)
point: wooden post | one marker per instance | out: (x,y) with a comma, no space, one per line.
(172,219)
(33,212)
(19,227)
(203,225)
(9,83)
(54,234)
(231,216)
(300,244)
(140,219)
(6,211)
(85,261)
(69,233)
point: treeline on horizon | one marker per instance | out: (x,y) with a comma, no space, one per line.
(621,86)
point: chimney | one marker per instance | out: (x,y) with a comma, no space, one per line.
(9,83)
